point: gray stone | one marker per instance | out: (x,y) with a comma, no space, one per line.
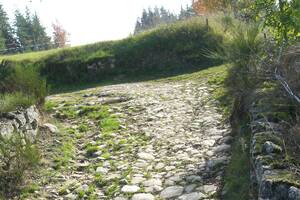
(130,188)
(208,189)
(222,148)
(52,128)
(145,156)
(102,170)
(152,182)
(294,193)
(142,196)
(270,147)
(159,166)
(137,180)
(192,196)
(217,161)
(190,188)
(32,114)
(172,191)
(6,128)
(193,179)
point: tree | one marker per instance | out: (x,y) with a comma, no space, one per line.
(23,30)
(60,35)
(282,17)
(40,39)
(207,6)
(2,44)
(151,19)
(30,32)
(7,33)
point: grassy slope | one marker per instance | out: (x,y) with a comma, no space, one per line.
(161,52)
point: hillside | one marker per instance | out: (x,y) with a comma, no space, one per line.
(152,117)
(162,51)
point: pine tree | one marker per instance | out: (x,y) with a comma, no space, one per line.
(2,44)
(40,39)
(30,32)
(6,31)
(23,31)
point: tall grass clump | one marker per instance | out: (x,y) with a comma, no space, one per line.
(244,48)
(17,156)
(20,86)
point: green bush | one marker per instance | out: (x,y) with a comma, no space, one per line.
(26,79)
(20,86)
(17,155)
(244,49)
(10,102)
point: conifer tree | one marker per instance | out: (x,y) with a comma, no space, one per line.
(10,43)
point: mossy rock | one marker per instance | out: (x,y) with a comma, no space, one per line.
(284,177)
(261,138)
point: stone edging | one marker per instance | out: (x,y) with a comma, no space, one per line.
(267,152)
(22,121)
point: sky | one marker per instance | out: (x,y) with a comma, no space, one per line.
(90,21)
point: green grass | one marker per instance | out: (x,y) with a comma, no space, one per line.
(237,176)
(11,102)
(167,50)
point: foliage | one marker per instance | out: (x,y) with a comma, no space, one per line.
(10,102)
(151,19)
(26,80)
(30,32)
(282,17)
(17,155)
(60,35)
(244,49)
(168,49)
(207,6)
(6,31)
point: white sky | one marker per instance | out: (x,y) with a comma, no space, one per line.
(90,21)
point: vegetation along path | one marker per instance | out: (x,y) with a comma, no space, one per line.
(140,141)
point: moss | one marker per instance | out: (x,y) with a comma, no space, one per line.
(286,177)
(261,138)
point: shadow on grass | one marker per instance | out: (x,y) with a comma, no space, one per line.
(123,78)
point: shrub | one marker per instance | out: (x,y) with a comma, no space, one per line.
(17,155)
(20,87)
(10,102)
(26,79)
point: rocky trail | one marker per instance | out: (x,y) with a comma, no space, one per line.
(139,141)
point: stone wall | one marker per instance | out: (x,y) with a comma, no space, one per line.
(23,121)
(272,175)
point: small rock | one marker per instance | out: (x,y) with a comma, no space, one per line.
(159,166)
(208,189)
(172,191)
(102,170)
(222,148)
(130,188)
(270,147)
(193,179)
(145,156)
(192,196)
(190,188)
(137,180)
(52,128)
(143,196)
(294,193)
(152,182)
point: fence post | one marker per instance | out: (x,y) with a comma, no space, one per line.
(206,23)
